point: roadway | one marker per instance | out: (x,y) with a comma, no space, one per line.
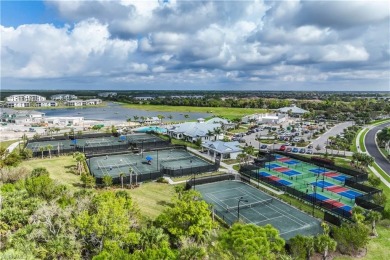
(373,150)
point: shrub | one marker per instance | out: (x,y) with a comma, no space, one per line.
(11,175)
(162,180)
(322,160)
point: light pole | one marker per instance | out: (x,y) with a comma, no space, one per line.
(191,174)
(238,207)
(315,193)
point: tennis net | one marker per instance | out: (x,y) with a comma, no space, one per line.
(119,165)
(251,205)
(179,159)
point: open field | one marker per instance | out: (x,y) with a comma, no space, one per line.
(226,112)
(61,169)
(152,198)
(5,144)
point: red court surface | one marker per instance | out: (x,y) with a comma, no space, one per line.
(274,178)
(335,203)
(331,174)
(341,189)
(284,159)
(281,169)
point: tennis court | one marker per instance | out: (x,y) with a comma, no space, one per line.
(257,208)
(152,162)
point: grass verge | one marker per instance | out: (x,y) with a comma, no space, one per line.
(7,143)
(152,198)
(361,140)
(381,121)
(226,112)
(183,178)
(381,172)
(61,169)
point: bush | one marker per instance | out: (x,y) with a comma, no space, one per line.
(162,180)
(322,160)
(11,175)
(384,223)
(40,171)
(374,180)
(351,238)
(379,198)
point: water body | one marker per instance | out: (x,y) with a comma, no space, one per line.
(119,113)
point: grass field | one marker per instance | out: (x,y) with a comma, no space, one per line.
(61,169)
(361,140)
(378,122)
(5,144)
(152,198)
(226,112)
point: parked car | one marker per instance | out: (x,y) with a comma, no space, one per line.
(242,140)
(302,150)
(310,146)
(282,148)
(309,151)
(296,139)
(295,150)
(289,149)
(287,143)
(264,147)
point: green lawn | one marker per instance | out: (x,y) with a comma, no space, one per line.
(361,140)
(152,198)
(378,122)
(226,112)
(61,169)
(381,172)
(182,178)
(5,144)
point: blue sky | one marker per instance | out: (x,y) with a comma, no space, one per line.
(189,45)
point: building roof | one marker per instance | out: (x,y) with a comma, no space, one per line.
(294,109)
(194,129)
(216,120)
(223,147)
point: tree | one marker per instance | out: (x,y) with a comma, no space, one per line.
(80,158)
(43,187)
(13,159)
(108,223)
(42,149)
(374,180)
(249,150)
(153,238)
(373,217)
(249,241)
(121,175)
(131,171)
(186,116)
(88,180)
(26,153)
(129,121)
(351,237)
(107,180)
(136,118)
(380,198)
(324,244)
(161,117)
(187,217)
(49,147)
(318,148)
(302,247)
(39,171)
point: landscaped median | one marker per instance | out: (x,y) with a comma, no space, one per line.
(361,140)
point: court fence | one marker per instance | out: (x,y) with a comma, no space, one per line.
(209,179)
(356,175)
(295,192)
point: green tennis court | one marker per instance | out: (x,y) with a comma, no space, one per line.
(145,163)
(257,208)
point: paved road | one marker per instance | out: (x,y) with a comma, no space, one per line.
(337,129)
(373,150)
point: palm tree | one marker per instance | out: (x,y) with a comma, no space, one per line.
(131,171)
(49,147)
(217,131)
(373,217)
(136,118)
(170,117)
(121,175)
(186,116)
(79,157)
(161,117)
(129,121)
(42,149)
(143,119)
(57,129)
(210,133)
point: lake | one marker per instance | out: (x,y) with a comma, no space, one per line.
(118,113)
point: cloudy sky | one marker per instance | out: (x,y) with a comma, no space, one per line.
(172,44)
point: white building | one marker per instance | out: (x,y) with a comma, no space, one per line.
(12,104)
(144,98)
(265,118)
(13,116)
(294,110)
(64,121)
(107,94)
(46,103)
(224,150)
(185,96)
(79,102)
(25,97)
(63,97)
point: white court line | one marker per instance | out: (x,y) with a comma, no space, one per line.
(258,222)
(280,211)
(215,200)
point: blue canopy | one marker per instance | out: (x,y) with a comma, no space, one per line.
(122,137)
(149,158)
(74,141)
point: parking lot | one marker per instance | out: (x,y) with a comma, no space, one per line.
(299,140)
